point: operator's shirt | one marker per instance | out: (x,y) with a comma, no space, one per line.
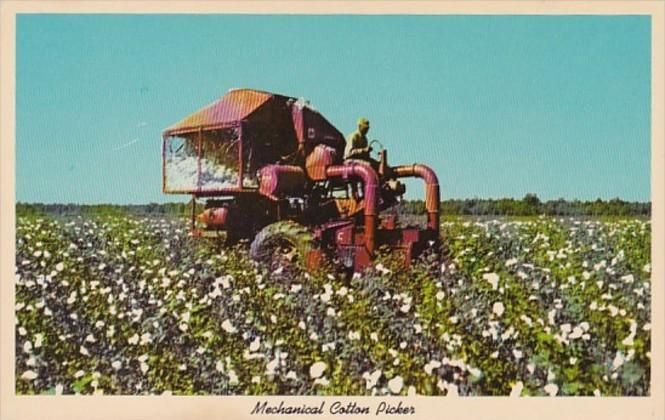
(356,141)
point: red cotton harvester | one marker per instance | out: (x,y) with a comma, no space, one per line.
(272,170)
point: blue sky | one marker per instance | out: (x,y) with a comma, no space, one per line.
(499,106)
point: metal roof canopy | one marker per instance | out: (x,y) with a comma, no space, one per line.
(294,120)
(231,108)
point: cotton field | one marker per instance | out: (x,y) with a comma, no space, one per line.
(129,305)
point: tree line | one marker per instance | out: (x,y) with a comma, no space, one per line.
(529,205)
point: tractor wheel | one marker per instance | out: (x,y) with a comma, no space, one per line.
(282,244)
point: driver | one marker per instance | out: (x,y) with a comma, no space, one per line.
(358,147)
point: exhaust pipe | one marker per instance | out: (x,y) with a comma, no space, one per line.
(371,184)
(432,195)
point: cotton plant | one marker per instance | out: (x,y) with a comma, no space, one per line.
(132,305)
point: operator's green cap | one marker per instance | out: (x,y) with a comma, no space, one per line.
(363,121)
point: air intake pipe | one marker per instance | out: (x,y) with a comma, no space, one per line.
(370,180)
(432,195)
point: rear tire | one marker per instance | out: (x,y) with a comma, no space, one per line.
(282,244)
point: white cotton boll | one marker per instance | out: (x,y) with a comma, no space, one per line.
(146,338)
(628,279)
(133,340)
(498,308)
(531,367)
(526,320)
(453,391)
(371,379)
(185,317)
(317,369)
(395,384)
(233,378)
(475,372)
(596,392)
(550,375)
(72,298)
(630,355)
(619,359)
(577,333)
(27,347)
(29,375)
(431,365)
(228,327)
(516,390)
(506,335)
(493,279)
(116,365)
(322,381)
(255,345)
(518,354)
(84,351)
(440,295)
(629,340)
(271,366)
(551,389)
(551,316)
(38,340)
(354,335)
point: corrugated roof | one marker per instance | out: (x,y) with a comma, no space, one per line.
(234,106)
